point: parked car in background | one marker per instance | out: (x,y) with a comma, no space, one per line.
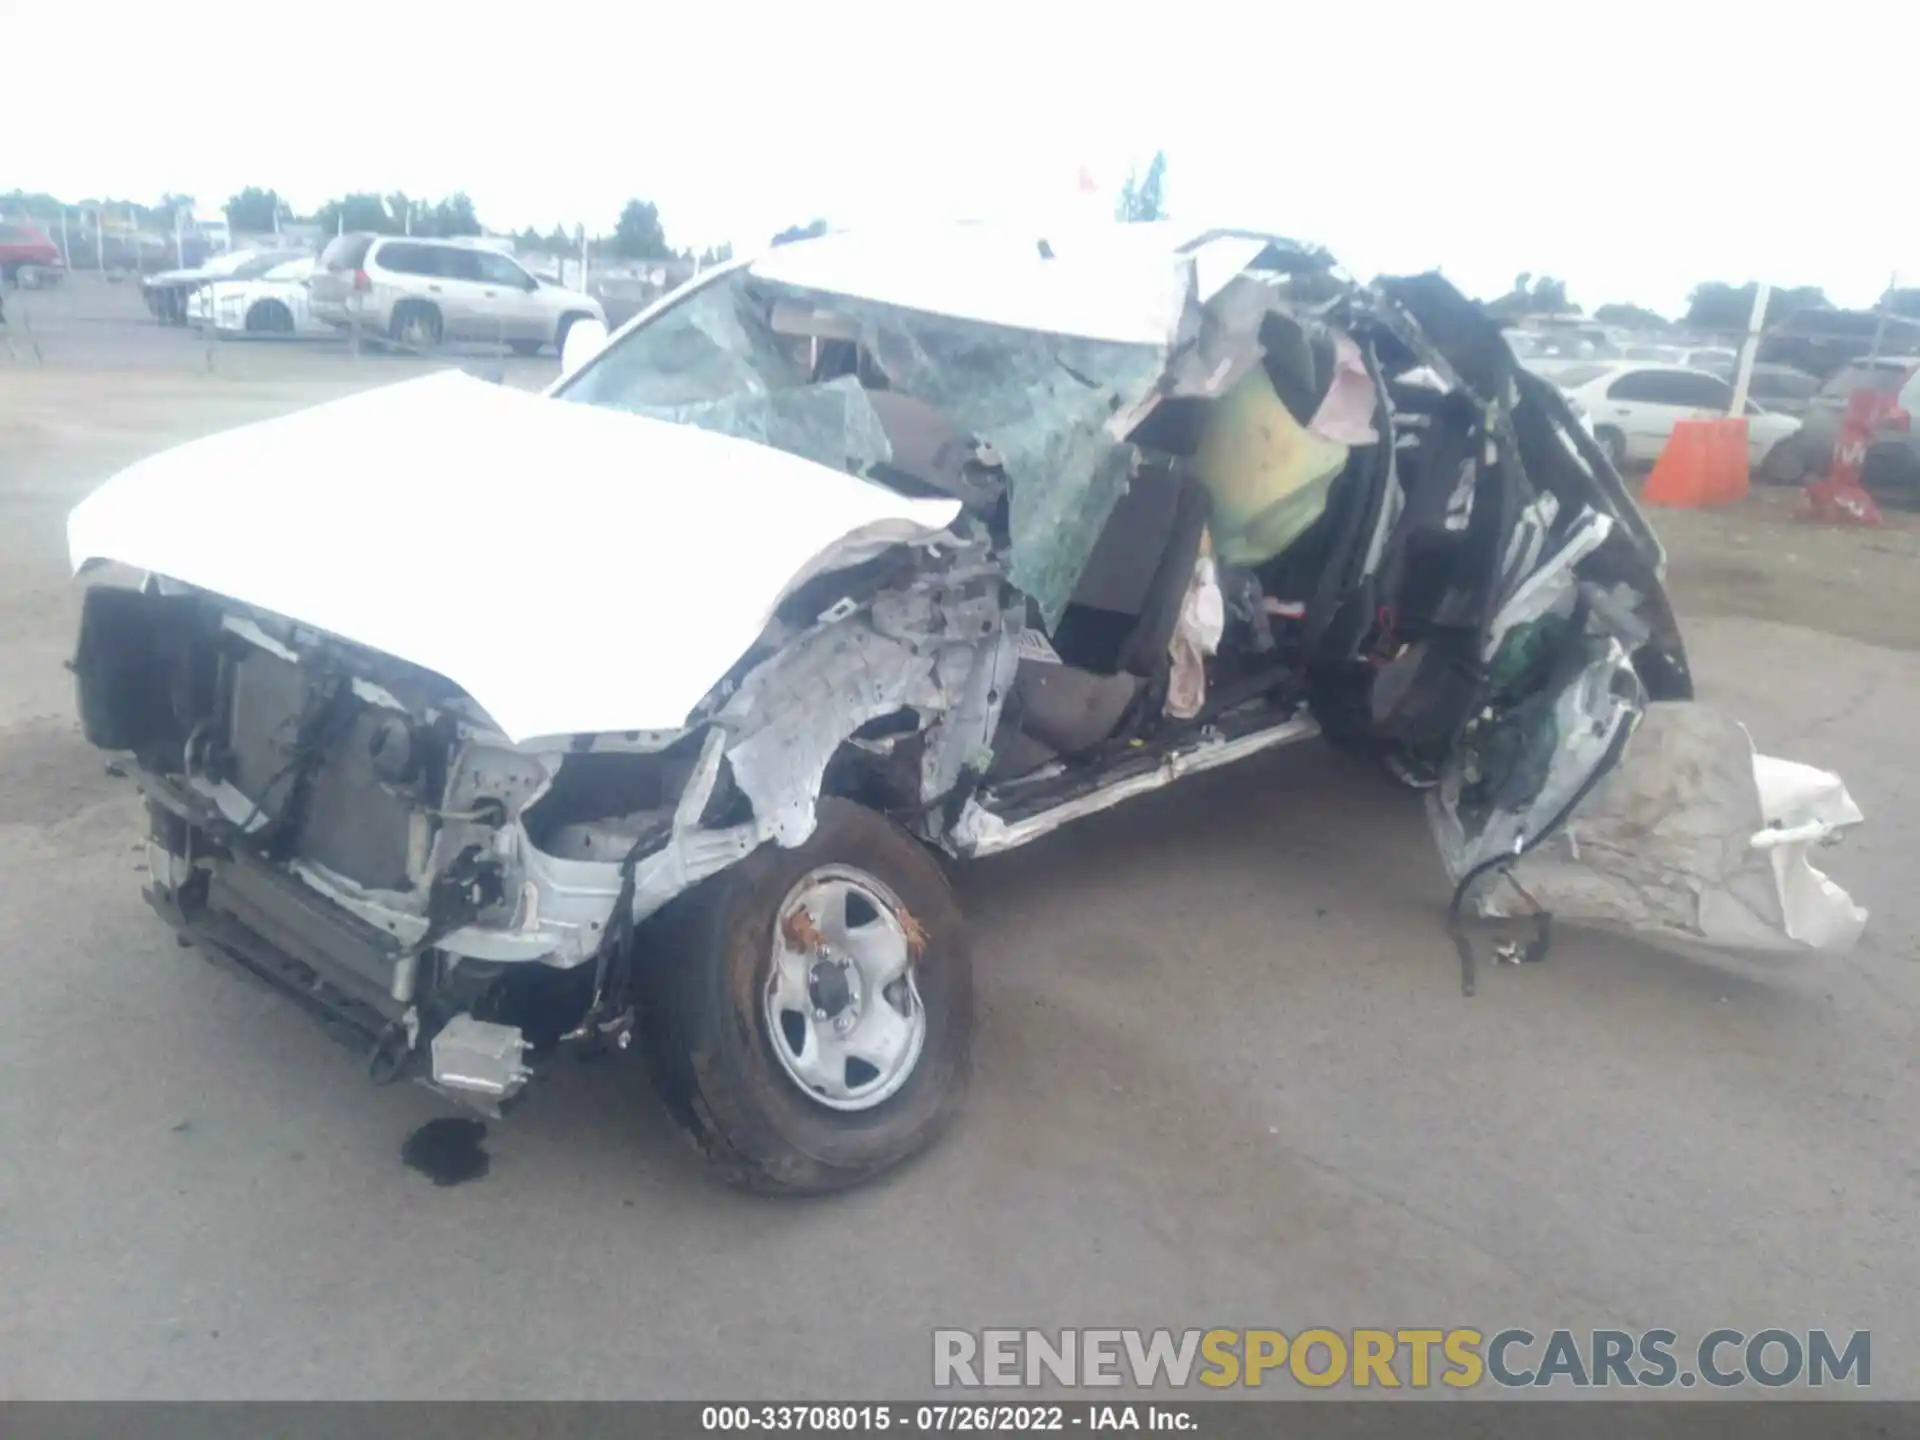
(417,293)
(1822,342)
(1777,388)
(1634,406)
(167,293)
(27,251)
(274,303)
(1714,359)
(1563,343)
(1892,464)
(1782,389)
(217,233)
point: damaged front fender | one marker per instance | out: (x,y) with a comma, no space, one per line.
(941,650)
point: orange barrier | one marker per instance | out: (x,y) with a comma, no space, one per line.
(1704,462)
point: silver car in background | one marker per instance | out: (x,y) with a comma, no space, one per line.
(420,292)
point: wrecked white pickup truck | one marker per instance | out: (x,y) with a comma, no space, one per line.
(489,722)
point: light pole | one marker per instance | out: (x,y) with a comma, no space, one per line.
(1744,374)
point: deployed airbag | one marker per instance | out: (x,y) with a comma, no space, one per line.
(1268,475)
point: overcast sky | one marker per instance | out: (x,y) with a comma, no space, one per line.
(1626,147)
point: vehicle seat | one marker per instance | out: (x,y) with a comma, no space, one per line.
(1123,613)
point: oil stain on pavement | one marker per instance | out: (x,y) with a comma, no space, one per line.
(448,1151)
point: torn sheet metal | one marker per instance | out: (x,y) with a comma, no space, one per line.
(1694,837)
(976,681)
(1216,346)
(945,650)
(1548,588)
(1518,770)
(693,853)
(793,713)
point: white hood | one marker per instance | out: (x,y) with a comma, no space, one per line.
(573,569)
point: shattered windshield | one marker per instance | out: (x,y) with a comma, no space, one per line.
(793,370)
(714,345)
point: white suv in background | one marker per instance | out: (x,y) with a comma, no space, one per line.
(419,292)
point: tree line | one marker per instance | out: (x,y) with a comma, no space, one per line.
(637,235)
(1711,305)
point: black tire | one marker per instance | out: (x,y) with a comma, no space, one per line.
(1614,442)
(269,317)
(419,318)
(1892,475)
(1788,463)
(705,1028)
(525,347)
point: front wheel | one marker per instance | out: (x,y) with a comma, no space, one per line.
(809,1012)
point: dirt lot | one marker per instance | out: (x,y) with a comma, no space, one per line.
(1760,561)
(1225,1074)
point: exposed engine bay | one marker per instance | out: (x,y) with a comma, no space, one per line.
(1308,506)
